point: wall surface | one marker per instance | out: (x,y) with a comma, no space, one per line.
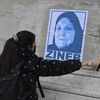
(33,15)
(80,85)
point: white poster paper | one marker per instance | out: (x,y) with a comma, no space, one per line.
(66,34)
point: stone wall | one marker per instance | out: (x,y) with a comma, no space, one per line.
(33,15)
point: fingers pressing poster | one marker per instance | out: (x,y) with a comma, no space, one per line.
(66,34)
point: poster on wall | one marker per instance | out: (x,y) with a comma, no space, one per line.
(66,34)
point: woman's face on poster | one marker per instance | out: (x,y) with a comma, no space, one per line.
(64,33)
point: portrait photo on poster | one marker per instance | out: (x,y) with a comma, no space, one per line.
(66,34)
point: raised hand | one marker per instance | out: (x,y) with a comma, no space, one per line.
(91,63)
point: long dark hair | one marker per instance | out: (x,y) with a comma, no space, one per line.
(9,54)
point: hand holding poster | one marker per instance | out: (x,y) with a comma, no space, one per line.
(66,34)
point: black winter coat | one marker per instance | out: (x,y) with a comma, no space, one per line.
(34,66)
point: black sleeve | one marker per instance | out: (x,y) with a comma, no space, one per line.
(57,68)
